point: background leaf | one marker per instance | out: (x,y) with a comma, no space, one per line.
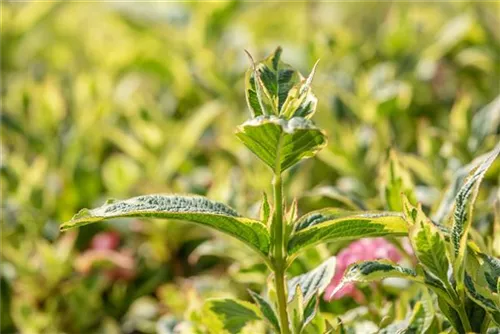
(230,315)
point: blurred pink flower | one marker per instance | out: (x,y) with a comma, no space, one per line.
(361,250)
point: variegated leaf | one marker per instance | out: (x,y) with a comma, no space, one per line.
(314,282)
(428,243)
(196,209)
(332,225)
(462,213)
(270,79)
(267,310)
(369,271)
(281,143)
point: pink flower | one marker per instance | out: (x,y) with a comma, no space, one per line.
(361,250)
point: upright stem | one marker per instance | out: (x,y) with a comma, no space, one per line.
(279,256)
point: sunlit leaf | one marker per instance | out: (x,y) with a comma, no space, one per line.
(333,225)
(281,143)
(462,215)
(196,209)
(428,243)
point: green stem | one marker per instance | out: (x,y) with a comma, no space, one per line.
(279,256)
(464,319)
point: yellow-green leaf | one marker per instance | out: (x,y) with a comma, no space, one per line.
(333,225)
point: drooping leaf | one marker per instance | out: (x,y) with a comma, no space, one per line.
(230,315)
(314,282)
(196,209)
(281,143)
(428,243)
(333,225)
(462,214)
(369,271)
(267,310)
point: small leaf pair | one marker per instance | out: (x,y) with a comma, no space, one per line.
(273,87)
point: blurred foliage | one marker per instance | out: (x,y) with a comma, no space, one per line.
(117,99)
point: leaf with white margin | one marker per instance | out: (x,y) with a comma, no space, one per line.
(196,209)
(267,310)
(314,282)
(281,143)
(333,225)
(369,271)
(427,242)
(462,212)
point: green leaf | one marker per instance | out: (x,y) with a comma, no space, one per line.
(477,315)
(314,282)
(295,308)
(428,243)
(281,143)
(333,225)
(230,315)
(265,210)
(450,314)
(196,209)
(267,310)
(192,130)
(310,311)
(258,98)
(483,297)
(491,270)
(369,271)
(300,102)
(417,322)
(462,215)
(276,78)
(484,122)
(396,180)
(423,318)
